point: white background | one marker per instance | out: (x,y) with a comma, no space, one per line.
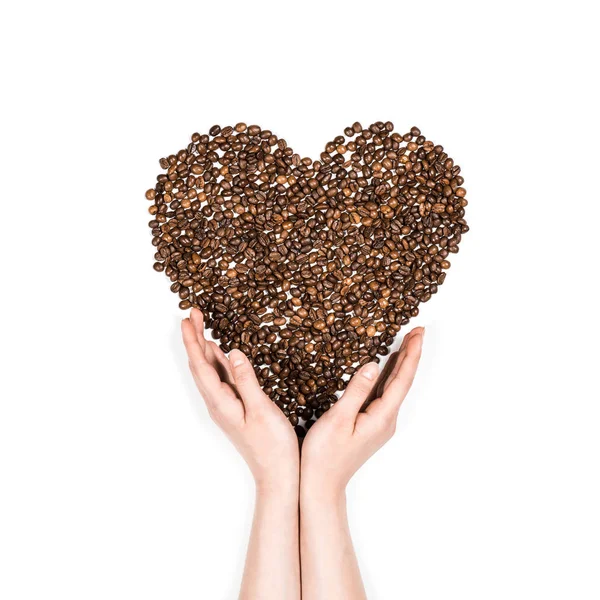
(114,483)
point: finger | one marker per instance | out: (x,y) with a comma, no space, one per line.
(197,319)
(190,340)
(205,376)
(357,392)
(389,404)
(401,354)
(210,357)
(220,362)
(391,366)
(384,376)
(245,381)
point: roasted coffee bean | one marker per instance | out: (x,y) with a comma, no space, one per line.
(311,268)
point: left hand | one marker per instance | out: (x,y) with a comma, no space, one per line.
(237,404)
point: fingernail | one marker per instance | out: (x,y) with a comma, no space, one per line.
(237,358)
(370,371)
(423,333)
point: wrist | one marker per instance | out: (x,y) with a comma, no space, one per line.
(321,491)
(278,487)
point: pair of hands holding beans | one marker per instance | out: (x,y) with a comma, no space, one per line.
(340,441)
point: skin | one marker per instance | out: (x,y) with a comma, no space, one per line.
(268,444)
(337,445)
(310,491)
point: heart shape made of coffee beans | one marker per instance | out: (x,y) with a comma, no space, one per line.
(310,267)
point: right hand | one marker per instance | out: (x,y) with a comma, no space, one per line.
(344,438)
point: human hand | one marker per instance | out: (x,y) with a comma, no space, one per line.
(237,404)
(344,438)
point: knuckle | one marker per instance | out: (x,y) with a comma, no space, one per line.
(388,426)
(214,407)
(217,414)
(242,376)
(259,415)
(337,416)
(218,420)
(212,413)
(391,428)
(363,386)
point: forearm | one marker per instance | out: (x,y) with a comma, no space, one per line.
(272,568)
(329,565)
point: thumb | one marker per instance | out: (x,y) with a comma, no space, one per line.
(358,390)
(245,380)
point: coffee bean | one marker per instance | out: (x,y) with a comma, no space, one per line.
(311,268)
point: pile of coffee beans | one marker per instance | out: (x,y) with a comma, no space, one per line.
(309,267)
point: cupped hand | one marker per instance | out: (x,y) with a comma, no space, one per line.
(345,437)
(237,404)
